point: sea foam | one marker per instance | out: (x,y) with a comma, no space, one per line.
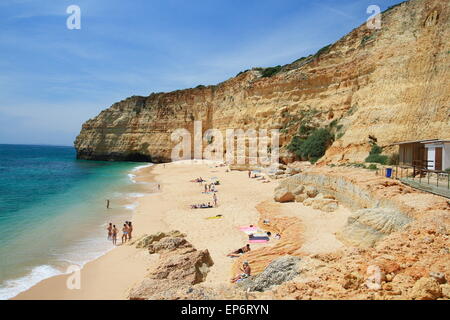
(13,287)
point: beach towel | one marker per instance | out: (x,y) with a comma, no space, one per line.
(258,241)
(212,218)
(249,232)
(266,238)
(260,234)
(248,228)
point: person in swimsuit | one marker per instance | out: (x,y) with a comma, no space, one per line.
(109,231)
(114,235)
(130,230)
(215,200)
(246,272)
(240,251)
(125,233)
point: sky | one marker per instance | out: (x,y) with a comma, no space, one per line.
(52,79)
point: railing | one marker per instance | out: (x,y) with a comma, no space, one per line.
(434,181)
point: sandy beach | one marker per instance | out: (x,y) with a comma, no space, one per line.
(113,274)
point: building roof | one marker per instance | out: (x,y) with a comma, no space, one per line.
(416,141)
(437,141)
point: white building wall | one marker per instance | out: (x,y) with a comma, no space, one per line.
(431,150)
(431,157)
(446,156)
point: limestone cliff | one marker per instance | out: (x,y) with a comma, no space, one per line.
(391,83)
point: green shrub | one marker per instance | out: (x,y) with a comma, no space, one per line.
(312,148)
(305,129)
(376,149)
(323,50)
(447,170)
(376,156)
(373,166)
(269,72)
(242,72)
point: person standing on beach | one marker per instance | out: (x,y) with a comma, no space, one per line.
(215,200)
(130,230)
(114,235)
(249,174)
(124,233)
(107,204)
(109,231)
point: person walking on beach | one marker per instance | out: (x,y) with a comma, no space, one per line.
(114,235)
(124,233)
(107,204)
(249,174)
(109,231)
(130,230)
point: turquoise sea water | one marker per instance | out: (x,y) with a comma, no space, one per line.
(53,211)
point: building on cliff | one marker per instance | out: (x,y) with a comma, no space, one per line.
(433,154)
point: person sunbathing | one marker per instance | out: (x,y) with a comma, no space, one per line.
(239,251)
(246,272)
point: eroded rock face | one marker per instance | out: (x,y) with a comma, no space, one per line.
(277,272)
(180,266)
(367,226)
(374,82)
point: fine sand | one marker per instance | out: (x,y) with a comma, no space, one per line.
(113,274)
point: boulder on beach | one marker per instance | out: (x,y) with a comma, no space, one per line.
(179,267)
(283,195)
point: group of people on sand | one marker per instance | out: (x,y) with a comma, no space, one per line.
(202,206)
(246,270)
(255,176)
(210,187)
(127,231)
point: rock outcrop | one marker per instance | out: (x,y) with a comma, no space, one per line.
(367,226)
(371,82)
(180,266)
(277,272)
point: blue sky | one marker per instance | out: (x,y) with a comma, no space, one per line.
(53,79)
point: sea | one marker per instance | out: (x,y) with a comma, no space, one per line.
(53,211)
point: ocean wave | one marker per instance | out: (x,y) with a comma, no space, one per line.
(136,195)
(132,177)
(131,206)
(11,288)
(142,167)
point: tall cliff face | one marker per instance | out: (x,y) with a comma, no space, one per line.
(392,83)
